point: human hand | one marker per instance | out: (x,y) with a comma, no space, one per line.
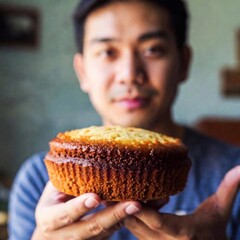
(59,216)
(207,222)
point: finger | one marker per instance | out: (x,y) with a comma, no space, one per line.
(227,191)
(50,216)
(163,222)
(51,196)
(103,223)
(54,217)
(138,228)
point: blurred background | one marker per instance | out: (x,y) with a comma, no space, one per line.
(39,92)
(40,95)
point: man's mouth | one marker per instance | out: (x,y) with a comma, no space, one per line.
(131,98)
(131,103)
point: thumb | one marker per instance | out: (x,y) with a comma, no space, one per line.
(227,191)
(222,200)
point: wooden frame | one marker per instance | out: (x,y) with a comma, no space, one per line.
(19,26)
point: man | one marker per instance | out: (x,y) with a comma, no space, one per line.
(132,57)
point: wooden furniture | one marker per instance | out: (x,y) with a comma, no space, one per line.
(231,76)
(225,129)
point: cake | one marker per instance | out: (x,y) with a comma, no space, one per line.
(118,163)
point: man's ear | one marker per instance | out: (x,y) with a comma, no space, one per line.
(185,62)
(79,70)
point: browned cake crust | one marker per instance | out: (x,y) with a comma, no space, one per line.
(139,167)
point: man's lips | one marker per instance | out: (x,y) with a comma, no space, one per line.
(131,98)
(131,103)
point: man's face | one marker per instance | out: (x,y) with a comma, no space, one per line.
(130,65)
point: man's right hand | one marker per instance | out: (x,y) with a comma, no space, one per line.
(59,217)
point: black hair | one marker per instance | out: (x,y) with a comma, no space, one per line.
(177,10)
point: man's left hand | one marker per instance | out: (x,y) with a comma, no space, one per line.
(208,222)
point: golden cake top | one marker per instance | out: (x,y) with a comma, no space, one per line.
(117,134)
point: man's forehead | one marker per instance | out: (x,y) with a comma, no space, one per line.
(114,10)
(150,35)
(115,22)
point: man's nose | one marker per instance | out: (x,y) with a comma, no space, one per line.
(130,69)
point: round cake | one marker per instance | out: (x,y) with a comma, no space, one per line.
(118,163)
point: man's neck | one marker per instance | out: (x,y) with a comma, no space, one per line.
(170,129)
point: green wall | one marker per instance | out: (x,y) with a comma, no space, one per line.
(212,37)
(39,92)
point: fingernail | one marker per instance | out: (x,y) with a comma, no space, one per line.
(131,209)
(91,203)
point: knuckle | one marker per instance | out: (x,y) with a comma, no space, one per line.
(117,217)
(74,211)
(66,217)
(157,226)
(69,213)
(96,228)
(44,232)
(45,227)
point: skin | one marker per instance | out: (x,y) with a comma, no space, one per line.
(131,73)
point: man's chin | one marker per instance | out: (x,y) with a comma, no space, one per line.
(138,123)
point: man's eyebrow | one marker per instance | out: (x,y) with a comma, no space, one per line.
(144,37)
(155,34)
(102,40)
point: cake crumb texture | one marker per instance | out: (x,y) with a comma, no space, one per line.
(117,134)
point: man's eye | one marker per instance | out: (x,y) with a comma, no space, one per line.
(108,53)
(154,51)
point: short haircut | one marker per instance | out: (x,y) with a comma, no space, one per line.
(177,10)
